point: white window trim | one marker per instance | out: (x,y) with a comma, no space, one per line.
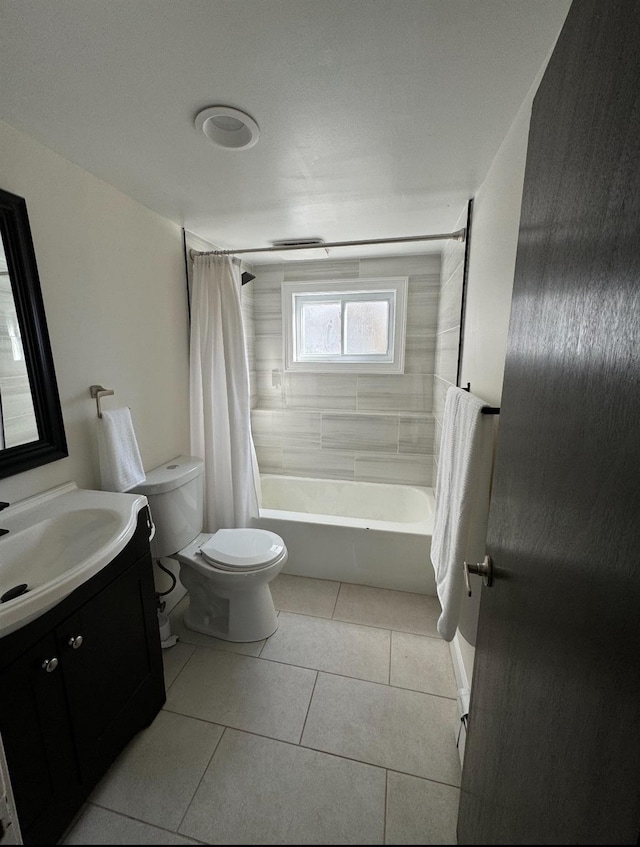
(343,286)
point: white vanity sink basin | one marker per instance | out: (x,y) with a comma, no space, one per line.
(57,541)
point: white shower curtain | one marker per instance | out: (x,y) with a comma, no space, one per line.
(219,395)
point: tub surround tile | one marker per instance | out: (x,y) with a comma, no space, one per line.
(360,432)
(304,595)
(422,310)
(269,351)
(398,610)
(267,308)
(318,270)
(447,354)
(420,353)
(320,391)
(416,434)
(199,639)
(440,387)
(268,321)
(394,393)
(267,275)
(174,659)
(452,261)
(270,395)
(427,264)
(402,469)
(267,698)
(253,390)
(155,777)
(437,437)
(422,664)
(321,463)
(293,427)
(333,438)
(355,651)
(450,306)
(297,796)
(101,826)
(389,727)
(420,811)
(269,459)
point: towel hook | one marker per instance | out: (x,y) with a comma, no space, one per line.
(97,391)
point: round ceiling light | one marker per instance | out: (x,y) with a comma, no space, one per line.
(228,127)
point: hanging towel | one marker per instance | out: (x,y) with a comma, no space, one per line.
(120,462)
(462,500)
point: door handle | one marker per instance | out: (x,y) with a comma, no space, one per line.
(483,569)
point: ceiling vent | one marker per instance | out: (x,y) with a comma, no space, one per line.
(294,243)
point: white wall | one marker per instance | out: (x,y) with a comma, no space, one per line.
(494,240)
(113,282)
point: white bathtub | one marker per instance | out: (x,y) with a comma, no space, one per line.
(360,532)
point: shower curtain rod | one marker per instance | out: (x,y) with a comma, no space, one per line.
(457,236)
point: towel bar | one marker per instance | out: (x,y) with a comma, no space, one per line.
(485,410)
(97,391)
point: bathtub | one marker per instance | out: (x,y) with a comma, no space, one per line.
(360,532)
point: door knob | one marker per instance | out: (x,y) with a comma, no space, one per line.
(483,569)
(75,641)
(50,665)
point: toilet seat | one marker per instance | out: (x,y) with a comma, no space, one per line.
(242,550)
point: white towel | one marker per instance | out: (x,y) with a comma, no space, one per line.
(120,462)
(462,500)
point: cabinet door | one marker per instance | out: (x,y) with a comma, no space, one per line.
(111,664)
(38,745)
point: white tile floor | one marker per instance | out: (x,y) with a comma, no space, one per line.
(339,729)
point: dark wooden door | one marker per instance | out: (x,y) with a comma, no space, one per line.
(553,750)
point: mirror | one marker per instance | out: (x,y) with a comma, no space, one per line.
(31,425)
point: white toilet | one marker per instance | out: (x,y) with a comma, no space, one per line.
(226,573)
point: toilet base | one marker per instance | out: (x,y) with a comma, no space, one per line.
(242,616)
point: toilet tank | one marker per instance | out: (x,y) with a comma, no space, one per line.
(175,494)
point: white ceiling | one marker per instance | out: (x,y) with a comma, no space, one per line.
(377,117)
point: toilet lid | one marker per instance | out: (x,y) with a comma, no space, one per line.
(242,549)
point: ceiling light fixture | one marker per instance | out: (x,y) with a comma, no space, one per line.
(228,127)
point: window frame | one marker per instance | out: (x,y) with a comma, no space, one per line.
(332,290)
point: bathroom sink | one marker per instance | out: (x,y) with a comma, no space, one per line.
(56,541)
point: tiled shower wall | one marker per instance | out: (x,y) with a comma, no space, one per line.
(448,330)
(374,428)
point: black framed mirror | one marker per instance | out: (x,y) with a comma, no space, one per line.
(31,425)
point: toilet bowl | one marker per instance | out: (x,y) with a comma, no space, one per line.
(226,573)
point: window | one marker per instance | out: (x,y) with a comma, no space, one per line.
(354,325)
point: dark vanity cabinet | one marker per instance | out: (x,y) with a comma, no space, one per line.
(76,685)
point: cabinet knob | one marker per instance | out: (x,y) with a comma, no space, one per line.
(75,641)
(50,665)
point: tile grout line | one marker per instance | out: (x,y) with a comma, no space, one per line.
(372,764)
(322,618)
(175,679)
(315,682)
(346,676)
(336,601)
(390,653)
(333,755)
(386,803)
(222,734)
(128,817)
